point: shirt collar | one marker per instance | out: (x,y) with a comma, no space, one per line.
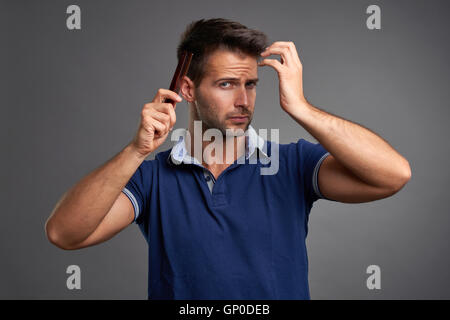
(253,141)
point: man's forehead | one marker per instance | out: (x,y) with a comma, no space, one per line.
(228,63)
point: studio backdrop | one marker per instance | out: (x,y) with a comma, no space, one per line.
(76,74)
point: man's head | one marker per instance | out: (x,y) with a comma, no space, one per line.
(220,83)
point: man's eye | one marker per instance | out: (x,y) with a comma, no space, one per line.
(251,84)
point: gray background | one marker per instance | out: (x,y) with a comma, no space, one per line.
(71,100)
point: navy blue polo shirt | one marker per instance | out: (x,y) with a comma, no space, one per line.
(242,237)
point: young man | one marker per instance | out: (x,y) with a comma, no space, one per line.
(217,228)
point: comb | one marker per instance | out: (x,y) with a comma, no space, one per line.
(180,72)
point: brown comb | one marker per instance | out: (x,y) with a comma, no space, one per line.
(180,72)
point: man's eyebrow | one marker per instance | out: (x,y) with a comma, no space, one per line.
(236,79)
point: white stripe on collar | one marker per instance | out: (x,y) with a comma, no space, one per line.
(179,152)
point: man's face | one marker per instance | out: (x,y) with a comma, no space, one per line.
(226,96)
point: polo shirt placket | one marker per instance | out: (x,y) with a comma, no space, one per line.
(218,191)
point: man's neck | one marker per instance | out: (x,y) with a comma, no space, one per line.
(232,148)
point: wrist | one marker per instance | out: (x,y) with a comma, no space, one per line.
(301,111)
(134,152)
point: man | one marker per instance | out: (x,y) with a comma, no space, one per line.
(219,229)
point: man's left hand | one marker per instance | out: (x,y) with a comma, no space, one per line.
(289,73)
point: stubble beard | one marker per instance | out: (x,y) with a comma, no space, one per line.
(209,121)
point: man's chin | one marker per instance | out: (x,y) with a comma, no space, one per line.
(237,130)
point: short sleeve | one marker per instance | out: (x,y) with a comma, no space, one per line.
(138,188)
(312,156)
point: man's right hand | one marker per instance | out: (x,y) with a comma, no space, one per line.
(157,119)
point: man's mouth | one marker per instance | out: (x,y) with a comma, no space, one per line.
(239,119)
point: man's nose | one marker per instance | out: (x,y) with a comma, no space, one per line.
(242,97)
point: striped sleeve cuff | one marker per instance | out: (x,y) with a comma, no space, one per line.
(133,202)
(315,176)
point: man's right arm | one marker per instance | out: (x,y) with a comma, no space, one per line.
(95,209)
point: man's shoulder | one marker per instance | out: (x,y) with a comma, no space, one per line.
(294,151)
(285,147)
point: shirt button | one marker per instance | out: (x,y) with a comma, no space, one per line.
(208,178)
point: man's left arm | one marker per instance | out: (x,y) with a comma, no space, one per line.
(361,166)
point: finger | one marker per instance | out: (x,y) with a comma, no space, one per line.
(173,117)
(271,62)
(291,50)
(280,44)
(160,127)
(163,107)
(165,93)
(167,109)
(277,44)
(294,54)
(161,117)
(283,52)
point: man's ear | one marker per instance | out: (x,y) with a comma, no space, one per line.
(187,89)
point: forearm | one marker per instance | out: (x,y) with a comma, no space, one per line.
(361,151)
(83,207)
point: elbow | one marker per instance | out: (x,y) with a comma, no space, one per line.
(54,236)
(402,178)
(406,175)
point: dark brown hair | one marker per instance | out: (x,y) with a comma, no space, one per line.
(202,37)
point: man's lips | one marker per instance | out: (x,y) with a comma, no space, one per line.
(239,118)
